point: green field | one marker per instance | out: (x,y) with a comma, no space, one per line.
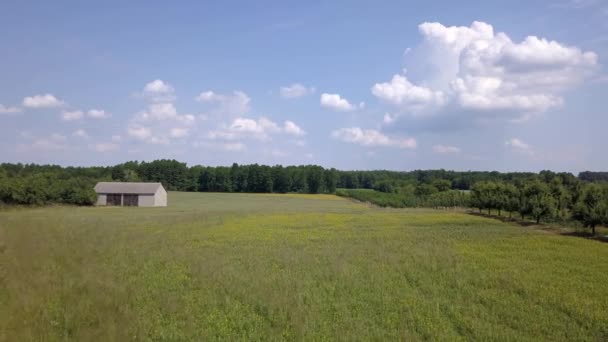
(272,267)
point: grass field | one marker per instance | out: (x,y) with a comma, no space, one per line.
(271,267)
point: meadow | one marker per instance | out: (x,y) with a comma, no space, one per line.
(217,266)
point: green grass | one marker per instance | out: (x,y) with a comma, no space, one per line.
(272,267)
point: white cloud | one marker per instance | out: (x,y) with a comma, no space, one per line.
(105,147)
(178,132)
(42,101)
(446,149)
(278,153)
(337,103)
(98,114)
(296,90)
(226,146)
(158,87)
(9,110)
(54,142)
(520,146)
(473,69)
(370,137)
(388,119)
(81,133)
(290,127)
(139,132)
(260,129)
(162,112)
(159,91)
(400,92)
(233,146)
(517,143)
(234,105)
(72,115)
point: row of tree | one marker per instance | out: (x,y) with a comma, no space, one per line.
(581,201)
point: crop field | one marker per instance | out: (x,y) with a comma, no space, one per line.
(272,267)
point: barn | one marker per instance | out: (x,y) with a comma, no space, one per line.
(131,194)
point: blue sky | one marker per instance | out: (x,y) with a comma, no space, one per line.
(348,84)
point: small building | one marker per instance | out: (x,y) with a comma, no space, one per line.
(131,194)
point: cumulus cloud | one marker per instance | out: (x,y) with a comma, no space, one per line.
(139,132)
(178,132)
(226,105)
(290,127)
(401,92)
(72,115)
(474,69)
(98,114)
(337,103)
(9,110)
(42,101)
(105,147)
(225,146)
(388,119)
(370,137)
(164,112)
(81,133)
(519,145)
(296,90)
(446,149)
(260,129)
(159,91)
(54,142)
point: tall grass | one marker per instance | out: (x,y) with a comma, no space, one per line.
(267,267)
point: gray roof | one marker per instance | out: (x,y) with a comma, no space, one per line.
(126,188)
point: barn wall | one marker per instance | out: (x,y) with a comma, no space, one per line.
(146,200)
(160,197)
(101,199)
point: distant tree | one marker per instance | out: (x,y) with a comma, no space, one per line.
(560,195)
(512,198)
(280,179)
(538,199)
(592,208)
(442,184)
(424,190)
(330,179)
(314,178)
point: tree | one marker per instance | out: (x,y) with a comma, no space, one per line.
(314,179)
(512,198)
(330,179)
(280,179)
(538,199)
(424,190)
(560,195)
(442,184)
(592,208)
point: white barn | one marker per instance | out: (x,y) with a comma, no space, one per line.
(131,194)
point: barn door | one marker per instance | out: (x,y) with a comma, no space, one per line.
(130,200)
(113,199)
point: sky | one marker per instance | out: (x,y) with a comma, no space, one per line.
(398,85)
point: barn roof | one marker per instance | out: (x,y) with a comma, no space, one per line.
(126,188)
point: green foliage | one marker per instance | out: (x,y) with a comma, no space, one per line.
(445,199)
(538,200)
(592,208)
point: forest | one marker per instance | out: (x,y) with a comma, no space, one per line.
(546,196)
